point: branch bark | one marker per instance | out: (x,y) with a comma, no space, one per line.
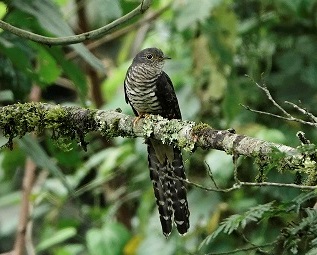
(74,122)
(28,180)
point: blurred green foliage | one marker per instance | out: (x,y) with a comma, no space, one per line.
(213,44)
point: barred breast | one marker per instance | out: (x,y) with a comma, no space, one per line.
(140,86)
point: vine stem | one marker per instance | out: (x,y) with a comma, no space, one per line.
(93,34)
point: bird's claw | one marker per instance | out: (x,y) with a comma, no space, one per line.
(142,115)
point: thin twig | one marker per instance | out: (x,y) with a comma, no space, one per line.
(254,184)
(281,185)
(304,111)
(291,118)
(267,113)
(241,249)
(241,184)
(209,172)
(269,96)
(288,117)
(260,184)
(235,165)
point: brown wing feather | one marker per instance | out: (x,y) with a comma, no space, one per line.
(166,96)
(173,164)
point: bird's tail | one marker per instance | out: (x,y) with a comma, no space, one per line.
(167,172)
(178,193)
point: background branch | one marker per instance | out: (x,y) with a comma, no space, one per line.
(28,180)
(145,4)
(287,116)
(121,32)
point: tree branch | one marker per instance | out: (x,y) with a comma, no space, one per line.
(287,116)
(74,122)
(145,4)
(28,180)
(110,37)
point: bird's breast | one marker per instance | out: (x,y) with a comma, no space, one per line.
(141,86)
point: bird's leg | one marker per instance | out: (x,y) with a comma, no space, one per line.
(141,115)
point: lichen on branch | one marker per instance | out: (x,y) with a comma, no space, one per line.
(75,122)
(69,123)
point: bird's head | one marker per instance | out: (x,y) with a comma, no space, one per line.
(151,57)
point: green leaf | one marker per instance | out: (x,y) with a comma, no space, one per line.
(6,95)
(109,240)
(32,148)
(70,249)
(10,161)
(47,68)
(219,161)
(289,7)
(156,244)
(58,237)
(105,161)
(70,158)
(231,101)
(302,198)
(189,12)
(103,11)
(313,251)
(113,82)
(273,135)
(10,199)
(19,55)
(51,19)
(3,9)
(306,227)
(72,71)
(145,208)
(236,221)
(309,75)
(115,157)
(61,2)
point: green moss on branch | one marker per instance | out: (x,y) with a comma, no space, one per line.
(66,123)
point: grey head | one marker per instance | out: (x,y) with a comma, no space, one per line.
(152,57)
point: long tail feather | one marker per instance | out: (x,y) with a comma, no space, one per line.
(158,175)
(178,191)
(169,189)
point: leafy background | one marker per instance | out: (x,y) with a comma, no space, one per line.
(213,46)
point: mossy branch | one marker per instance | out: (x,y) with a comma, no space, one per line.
(69,123)
(74,123)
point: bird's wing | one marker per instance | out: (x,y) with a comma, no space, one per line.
(166,96)
(166,159)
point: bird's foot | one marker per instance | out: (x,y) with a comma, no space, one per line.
(142,115)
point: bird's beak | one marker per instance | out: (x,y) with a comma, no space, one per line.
(166,57)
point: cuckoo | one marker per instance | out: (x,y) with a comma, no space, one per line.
(149,90)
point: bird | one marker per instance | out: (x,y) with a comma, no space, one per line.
(149,90)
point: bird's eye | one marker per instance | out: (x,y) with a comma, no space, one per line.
(149,56)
